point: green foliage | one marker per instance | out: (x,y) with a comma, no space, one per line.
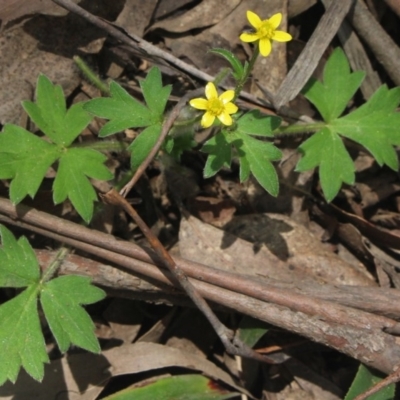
(373,125)
(21,339)
(180,387)
(25,158)
(238,70)
(365,379)
(255,155)
(123,112)
(252,330)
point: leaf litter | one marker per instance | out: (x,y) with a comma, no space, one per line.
(252,243)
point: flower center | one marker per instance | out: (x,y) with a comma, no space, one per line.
(266,31)
(215,107)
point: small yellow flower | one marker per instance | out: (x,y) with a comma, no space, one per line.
(215,107)
(265,32)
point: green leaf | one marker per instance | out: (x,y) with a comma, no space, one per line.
(18,264)
(374,125)
(326,150)
(71,181)
(143,144)
(155,94)
(332,96)
(259,155)
(367,378)
(257,124)
(122,110)
(252,330)
(176,145)
(181,387)
(220,154)
(61,300)
(237,67)
(50,114)
(21,339)
(25,159)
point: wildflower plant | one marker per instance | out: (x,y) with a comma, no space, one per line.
(247,135)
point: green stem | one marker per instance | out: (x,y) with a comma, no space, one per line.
(299,128)
(104,145)
(55,264)
(221,76)
(91,75)
(247,73)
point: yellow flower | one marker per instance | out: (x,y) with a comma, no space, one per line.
(265,32)
(215,107)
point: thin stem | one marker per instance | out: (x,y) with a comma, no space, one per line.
(295,129)
(249,68)
(232,344)
(55,264)
(221,76)
(91,75)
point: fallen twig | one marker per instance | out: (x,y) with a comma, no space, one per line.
(368,344)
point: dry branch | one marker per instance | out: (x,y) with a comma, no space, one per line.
(356,333)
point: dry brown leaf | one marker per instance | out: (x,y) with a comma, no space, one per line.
(167,7)
(14,9)
(124,320)
(83,376)
(270,245)
(206,13)
(42,45)
(296,7)
(136,16)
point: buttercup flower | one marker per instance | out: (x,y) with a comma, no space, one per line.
(215,107)
(265,32)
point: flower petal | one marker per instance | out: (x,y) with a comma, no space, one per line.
(254,19)
(231,108)
(211,91)
(227,96)
(207,120)
(225,118)
(249,37)
(200,104)
(275,20)
(281,36)
(265,47)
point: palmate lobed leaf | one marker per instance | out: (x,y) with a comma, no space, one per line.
(257,124)
(123,111)
(25,159)
(339,86)
(220,154)
(374,125)
(257,157)
(75,166)
(61,300)
(326,150)
(143,144)
(18,263)
(50,113)
(21,339)
(155,94)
